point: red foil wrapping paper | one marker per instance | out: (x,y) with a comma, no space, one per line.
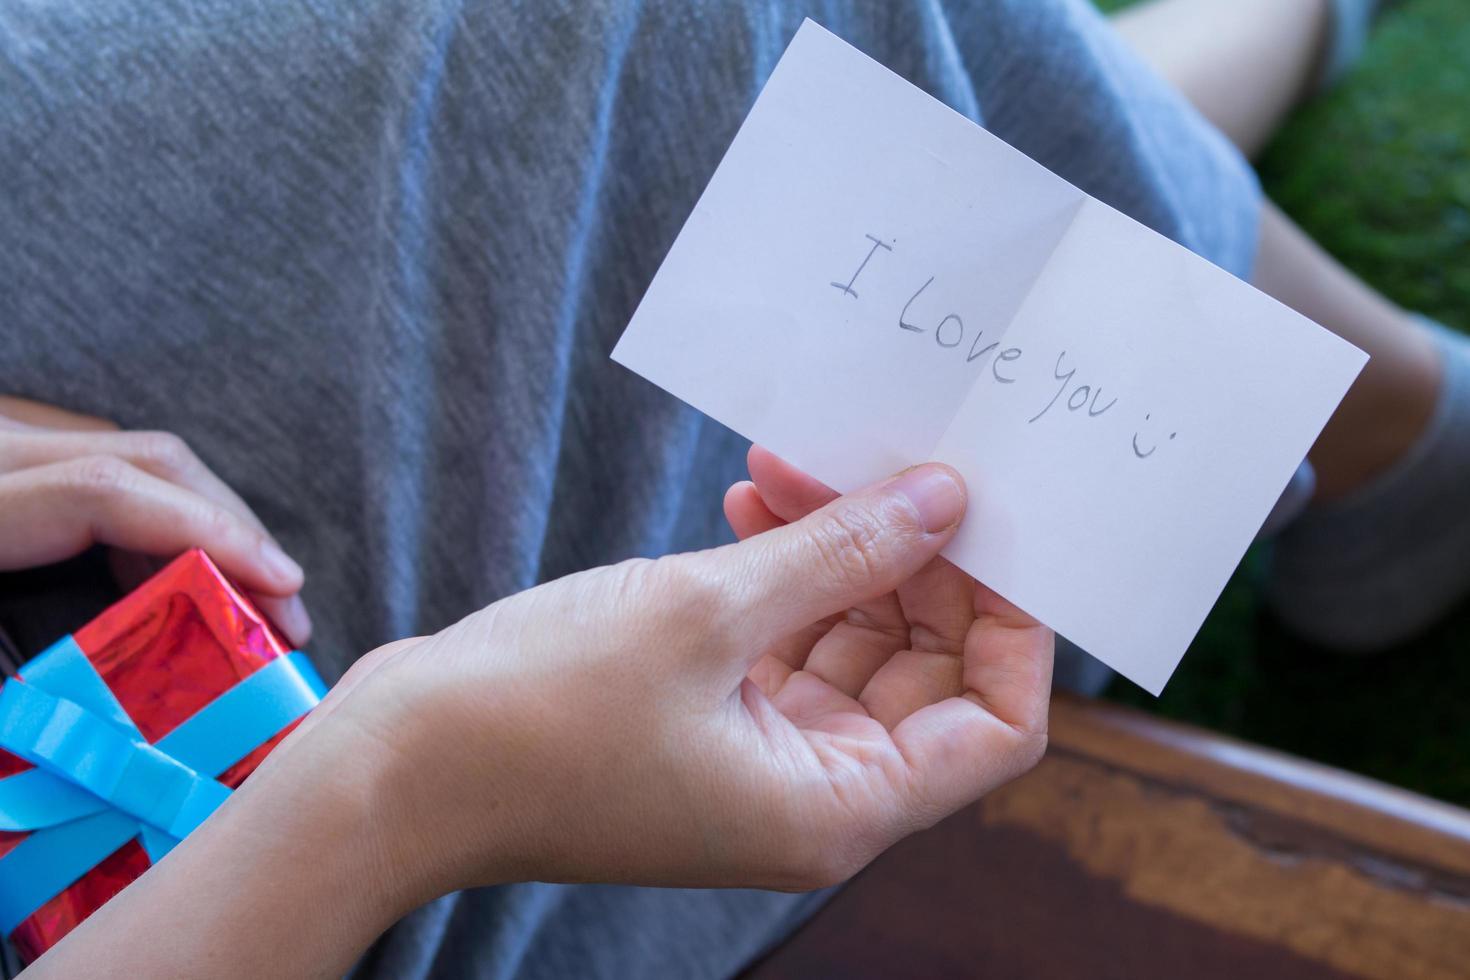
(166,650)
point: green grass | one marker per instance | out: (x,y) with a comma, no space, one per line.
(1378,171)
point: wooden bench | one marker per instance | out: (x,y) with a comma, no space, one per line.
(1142,848)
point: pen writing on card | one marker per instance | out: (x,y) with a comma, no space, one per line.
(1087,400)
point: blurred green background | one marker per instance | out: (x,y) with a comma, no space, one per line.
(1378,171)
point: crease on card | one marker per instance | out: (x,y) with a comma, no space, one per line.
(1066,219)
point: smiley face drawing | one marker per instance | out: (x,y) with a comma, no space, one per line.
(1142,454)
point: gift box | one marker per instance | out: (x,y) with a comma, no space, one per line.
(118,740)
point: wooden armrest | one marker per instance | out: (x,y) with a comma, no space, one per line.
(1144,848)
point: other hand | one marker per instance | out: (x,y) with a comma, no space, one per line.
(70,481)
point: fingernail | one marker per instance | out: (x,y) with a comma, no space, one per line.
(279,563)
(935,494)
(297,623)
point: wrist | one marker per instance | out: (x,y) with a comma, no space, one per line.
(450,812)
(356,808)
(295,875)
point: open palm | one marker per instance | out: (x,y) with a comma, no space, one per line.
(907,699)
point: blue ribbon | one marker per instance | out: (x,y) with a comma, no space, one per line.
(98,783)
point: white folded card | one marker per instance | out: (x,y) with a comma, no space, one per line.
(870,280)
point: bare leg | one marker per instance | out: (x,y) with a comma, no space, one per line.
(1244,64)
(1393,398)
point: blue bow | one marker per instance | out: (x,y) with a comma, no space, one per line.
(98,783)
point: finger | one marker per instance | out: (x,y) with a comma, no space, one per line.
(963,747)
(856,648)
(31,413)
(938,604)
(131,569)
(49,513)
(788,492)
(811,703)
(167,457)
(162,454)
(747,513)
(288,614)
(748,516)
(933,611)
(937,609)
(770,672)
(909,642)
(852,550)
(909,681)
(935,604)
(847,655)
(1008,662)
